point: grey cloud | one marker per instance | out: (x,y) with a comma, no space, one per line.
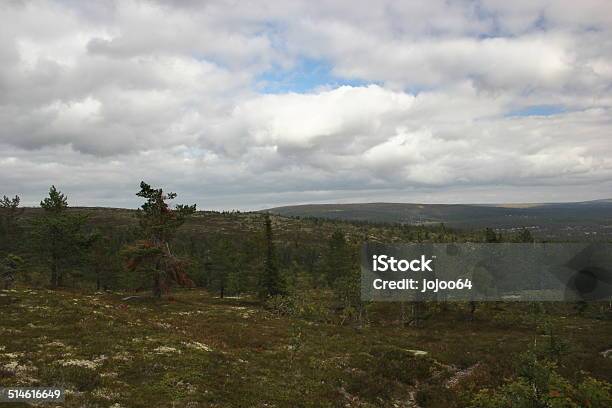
(167,91)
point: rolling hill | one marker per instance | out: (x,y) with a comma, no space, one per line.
(585,219)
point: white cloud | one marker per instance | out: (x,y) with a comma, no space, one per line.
(405,141)
(114,92)
(330,119)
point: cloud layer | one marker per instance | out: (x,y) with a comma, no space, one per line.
(476,101)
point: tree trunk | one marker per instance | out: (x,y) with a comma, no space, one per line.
(53,274)
(157,292)
(157,289)
(472,309)
(416,318)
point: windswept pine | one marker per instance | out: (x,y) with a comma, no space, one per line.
(151,255)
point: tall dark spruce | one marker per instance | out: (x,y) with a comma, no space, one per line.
(271,281)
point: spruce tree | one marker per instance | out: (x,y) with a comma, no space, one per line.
(271,282)
(337,262)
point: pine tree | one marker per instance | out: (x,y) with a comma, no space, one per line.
(271,282)
(56,203)
(59,235)
(159,224)
(9,214)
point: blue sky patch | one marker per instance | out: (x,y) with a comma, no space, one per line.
(538,110)
(306,75)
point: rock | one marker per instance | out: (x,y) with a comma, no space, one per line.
(460,375)
(418,353)
(125,299)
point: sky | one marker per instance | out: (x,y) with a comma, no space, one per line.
(249,105)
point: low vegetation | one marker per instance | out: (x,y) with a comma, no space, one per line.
(197,350)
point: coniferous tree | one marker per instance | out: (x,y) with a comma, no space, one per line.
(105,261)
(9,214)
(524,236)
(481,275)
(223,265)
(56,203)
(271,282)
(343,273)
(59,235)
(491,236)
(159,224)
(9,268)
(337,262)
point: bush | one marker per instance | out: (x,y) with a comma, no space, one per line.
(539,385)
(79,378)
(384,370)
(594,394)
(370,387)
(280,305)
(394,363)
(435,396)
(305,305)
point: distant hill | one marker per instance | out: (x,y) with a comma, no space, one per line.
(588,218)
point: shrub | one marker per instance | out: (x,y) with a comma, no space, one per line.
(304,305)
(395,363)
(594,394)
(539,385)
(79,378)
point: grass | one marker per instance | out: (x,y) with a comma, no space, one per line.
(195,350)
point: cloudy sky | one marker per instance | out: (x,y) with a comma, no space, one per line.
(254,104)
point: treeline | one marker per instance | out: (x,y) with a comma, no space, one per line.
(60,247)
